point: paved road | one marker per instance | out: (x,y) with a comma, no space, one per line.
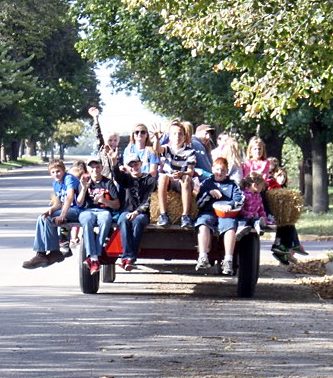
(153,322)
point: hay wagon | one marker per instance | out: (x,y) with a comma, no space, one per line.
(175,243)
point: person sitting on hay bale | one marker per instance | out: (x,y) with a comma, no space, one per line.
(286,242)
(178,161)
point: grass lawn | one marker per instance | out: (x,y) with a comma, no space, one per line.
(21,162)
(317,224)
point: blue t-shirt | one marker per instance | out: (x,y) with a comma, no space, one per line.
(146,155)
(68,182)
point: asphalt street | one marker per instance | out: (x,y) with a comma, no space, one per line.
(159,321)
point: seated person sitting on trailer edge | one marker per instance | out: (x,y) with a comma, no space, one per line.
(99,197)
(63,209)
(217,188)
(135,216)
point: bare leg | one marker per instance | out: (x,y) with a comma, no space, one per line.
(204,239)
(163,183)
(229,242)
(186,185)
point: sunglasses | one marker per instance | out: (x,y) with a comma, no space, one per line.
(142,132)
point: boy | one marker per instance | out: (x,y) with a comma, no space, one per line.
(99,195)
(138,186)
(177,172)
(63,209)
(217,188)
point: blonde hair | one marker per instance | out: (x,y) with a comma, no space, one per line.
(256,141)
(144,127)
(188,131)
(231,152)
(114,134)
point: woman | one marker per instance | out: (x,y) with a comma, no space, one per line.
(141,146)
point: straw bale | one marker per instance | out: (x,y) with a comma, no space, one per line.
(174,207)
(323,286)
(286,205)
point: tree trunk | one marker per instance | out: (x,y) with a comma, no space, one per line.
(14,150)
(319,167)
(274,144)
(31,147)
(305,177)
(61,151)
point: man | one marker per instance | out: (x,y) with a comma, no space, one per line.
(135,217)
(99,196)
(201,143)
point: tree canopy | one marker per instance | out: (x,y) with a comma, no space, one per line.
(281,50)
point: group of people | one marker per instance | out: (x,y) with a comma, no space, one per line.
(116,187)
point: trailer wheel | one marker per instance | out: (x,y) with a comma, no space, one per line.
(108,273)
(249,260)
(89,284)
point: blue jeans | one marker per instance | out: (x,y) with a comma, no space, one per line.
(46,235)
(131,234)
(89,219)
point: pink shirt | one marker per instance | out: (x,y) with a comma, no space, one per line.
(253,206)
(258,166)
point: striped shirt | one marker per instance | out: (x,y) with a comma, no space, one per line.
(177,160)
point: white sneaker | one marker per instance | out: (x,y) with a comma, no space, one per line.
(227,268)
(202,263)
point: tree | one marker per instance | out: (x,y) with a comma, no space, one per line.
(66,135)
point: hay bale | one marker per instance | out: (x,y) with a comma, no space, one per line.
(286,205)
(174,207)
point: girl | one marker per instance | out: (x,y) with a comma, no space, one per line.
(140,145)
(232,153)
(253,213)
(256,158)
(216,188)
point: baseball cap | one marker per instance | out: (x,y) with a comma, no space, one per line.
(94,159)
(132,158)
(204,127)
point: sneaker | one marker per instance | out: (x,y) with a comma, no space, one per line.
(129,265)
(259,225)
(299,249)
(87,262)
(280,248)
(203,263)
(55,256)
(95,267)
(242,231)
(38,261)
(163,220)
(186,221)
(65,249)
(281,257)
(227,268)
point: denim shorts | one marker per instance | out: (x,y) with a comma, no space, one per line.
(214,223)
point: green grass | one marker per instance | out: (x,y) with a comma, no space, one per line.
(21,162)
(317,224)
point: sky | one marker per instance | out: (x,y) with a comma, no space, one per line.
(121,112)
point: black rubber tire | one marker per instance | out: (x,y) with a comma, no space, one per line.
(89,284)
(108,273)
(248,261)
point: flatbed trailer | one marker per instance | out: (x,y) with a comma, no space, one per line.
(175,243)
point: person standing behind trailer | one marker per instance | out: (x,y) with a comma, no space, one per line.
(99,196)
(135,216)
(217,188)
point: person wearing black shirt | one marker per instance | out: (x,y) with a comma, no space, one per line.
(99,197)
(135,216)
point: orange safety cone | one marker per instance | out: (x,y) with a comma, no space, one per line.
(114,248)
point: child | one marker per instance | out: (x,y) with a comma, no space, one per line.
(99,196)
(256,158)
(232,152)
(135,216)
(65,188)
(178,169)
(216,188)
(253,213)
(286,242)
